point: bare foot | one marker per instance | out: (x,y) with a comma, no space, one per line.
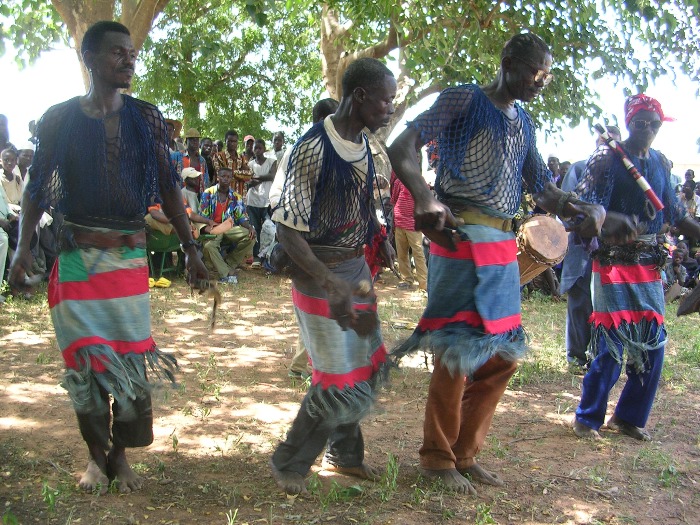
(478,473)
(585,432)
(290,482)
(119,469)
(94,479)
(615,423)
(452,479)
(363,471)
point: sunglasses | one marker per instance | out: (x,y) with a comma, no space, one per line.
(538,75)
(644,124)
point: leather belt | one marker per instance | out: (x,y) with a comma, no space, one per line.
(477,217)
(106,240)
(332,255)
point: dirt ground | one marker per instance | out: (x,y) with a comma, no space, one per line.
(215,433)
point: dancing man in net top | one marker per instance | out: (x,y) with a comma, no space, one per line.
(472,320)
(324,217)
(101,160)
(628,297)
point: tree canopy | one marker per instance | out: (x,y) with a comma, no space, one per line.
(249,60)
(215,55)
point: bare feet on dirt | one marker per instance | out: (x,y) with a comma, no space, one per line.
(585,432)
(364,471)
(94,479)
(477,473)
(290,482)
(452,479)
(119,469)
(615,423)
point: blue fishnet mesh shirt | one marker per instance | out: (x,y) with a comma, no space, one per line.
(329,195)
(484,156)
(95,180)
(607,182)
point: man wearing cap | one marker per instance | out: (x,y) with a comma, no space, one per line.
(25,156)
(628,296)
(192,159)
(249,145)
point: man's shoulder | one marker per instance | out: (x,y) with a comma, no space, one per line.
(147,106)
(60,109)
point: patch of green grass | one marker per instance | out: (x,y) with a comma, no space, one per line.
(387,484)
(483,515)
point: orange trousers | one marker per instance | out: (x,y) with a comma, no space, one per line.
(459,411)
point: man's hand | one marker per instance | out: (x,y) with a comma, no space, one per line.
(340,301)
(20,276)
(593,218)
(619,229)
(196,271)
(251,232)
(436,222)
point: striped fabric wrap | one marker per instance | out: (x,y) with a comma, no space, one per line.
(99,303)
(473,310)
(347,368)
(628,306)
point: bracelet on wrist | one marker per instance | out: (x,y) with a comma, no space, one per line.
(565,197)
(188,244)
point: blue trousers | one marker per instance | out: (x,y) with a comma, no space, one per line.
(637,397)
(579,308)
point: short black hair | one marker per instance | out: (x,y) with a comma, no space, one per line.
(365,73)
(225,168)
(523,45)
(92,39)
(260,141)
(229,133)
(206,138)
(323,108)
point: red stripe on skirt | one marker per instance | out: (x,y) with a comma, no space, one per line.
(121,347)
(610,319)
(317,306)
(436,323)
(483,253)
(618,274)
(350,379)
(107,285)
(497,326)
(502,325)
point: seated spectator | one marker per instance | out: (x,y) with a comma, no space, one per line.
(6,218)
(689,263)
(233,229)
(674,276)
(157,220)
(192,180)
(192,159)
(25,157)
(689,199)
(10,178)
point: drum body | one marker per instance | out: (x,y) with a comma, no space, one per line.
(542,243)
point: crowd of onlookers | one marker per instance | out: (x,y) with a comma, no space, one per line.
(226,191)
